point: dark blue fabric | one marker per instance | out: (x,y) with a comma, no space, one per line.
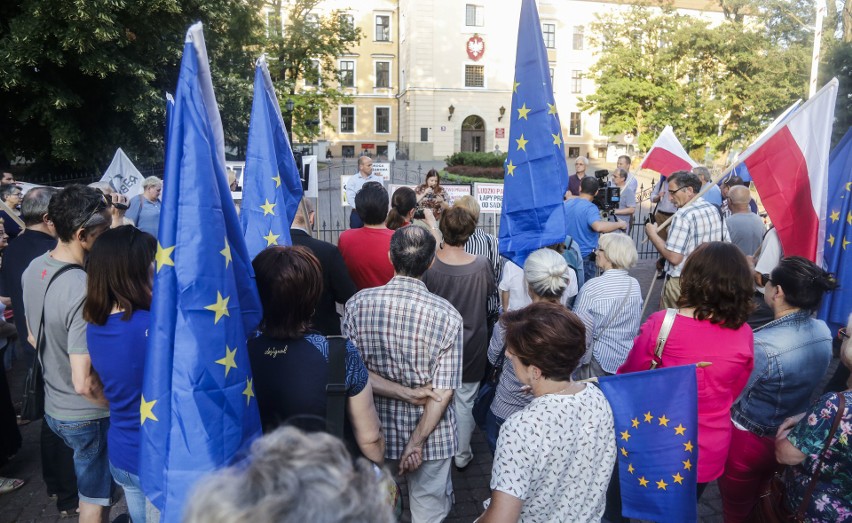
(118,350)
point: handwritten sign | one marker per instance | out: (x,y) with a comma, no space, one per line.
(489,196)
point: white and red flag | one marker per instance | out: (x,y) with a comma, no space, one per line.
(789,167)
(667,155)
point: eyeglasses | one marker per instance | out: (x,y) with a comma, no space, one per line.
(676,190)
(600,250)
(100,206)
(842,334)
(765,278)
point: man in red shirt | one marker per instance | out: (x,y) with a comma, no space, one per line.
(365,250)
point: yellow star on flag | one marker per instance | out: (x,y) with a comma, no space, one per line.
(687,465)
(688,446)
(522,144)
(630,468)
(515,90)
(680,430)
(835,215)
(664,420)
(226,252)
(510,168)
(228,360)
(624,452)
(268,208)
(831,240)
(277,180)
(271,239)
(635,422)
(849,186)
(164,256)
(146,410)
(220,307)
(845,243)
(557,141)
(678,478)
(849,217)
(551,109)
(248,392)
(648,417)
(523,112)
(662,485)
(643,481)
(625,436)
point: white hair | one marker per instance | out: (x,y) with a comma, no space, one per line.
(546,273)
(619,250)
(152,181)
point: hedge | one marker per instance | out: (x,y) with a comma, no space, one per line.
(476,159)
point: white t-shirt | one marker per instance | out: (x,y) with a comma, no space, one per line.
(557,455)
(770,255)
(514,283)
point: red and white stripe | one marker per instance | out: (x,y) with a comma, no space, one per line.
(667,155)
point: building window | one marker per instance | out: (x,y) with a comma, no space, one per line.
(552,75)
(573,152)
(382,74)
(347,73)
(574,127)
(312,19)
(349,151)
(601,153)
(474,76)
(424,134)
(383,28)
(474,15)
(312,73)
(347,119)
(382,120)
(549,33)
(576,81)
(578,37)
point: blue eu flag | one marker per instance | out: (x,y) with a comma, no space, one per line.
(656,432)
(272,187)
(536,175)
(837,305)
(198,410)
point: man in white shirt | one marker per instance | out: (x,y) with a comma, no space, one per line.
(354,184)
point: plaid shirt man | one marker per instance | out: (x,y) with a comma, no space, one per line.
(411,337)
(693,225)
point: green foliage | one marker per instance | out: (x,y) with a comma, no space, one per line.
(309,37)
(447,177)
(79,79)
(717,85)
(476,159)
(840,65)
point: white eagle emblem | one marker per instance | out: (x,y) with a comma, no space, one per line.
(475,47)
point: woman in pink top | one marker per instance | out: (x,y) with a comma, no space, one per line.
(714,303)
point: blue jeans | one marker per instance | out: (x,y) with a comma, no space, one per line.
(132,492)
(88,440)
(590,269)
(492,429)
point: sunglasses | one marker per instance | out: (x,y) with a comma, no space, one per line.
(100,206)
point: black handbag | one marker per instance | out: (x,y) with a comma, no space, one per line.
(487,389)
(32,403)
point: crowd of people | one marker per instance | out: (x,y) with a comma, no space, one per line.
(416,310)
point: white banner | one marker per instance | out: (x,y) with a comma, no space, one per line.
(489,196)
(123,176)
(383,170)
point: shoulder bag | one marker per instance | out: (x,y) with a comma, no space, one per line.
(488,389)
(772,505)
(665,330)
(32,403)
(335,389)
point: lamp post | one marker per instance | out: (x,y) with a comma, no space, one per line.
(288,123)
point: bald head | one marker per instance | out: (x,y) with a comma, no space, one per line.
(739,197)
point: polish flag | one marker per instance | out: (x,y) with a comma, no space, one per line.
(789,167)
(667,155)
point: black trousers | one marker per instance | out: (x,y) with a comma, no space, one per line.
(57,469)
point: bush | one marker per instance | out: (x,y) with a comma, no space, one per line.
(476,159)
(492,173)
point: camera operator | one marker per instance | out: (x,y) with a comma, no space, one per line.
(627,201)
(585,224)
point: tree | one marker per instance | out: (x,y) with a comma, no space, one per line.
(304,61)
(79,79)
(718,85)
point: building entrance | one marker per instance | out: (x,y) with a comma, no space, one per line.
(473,134)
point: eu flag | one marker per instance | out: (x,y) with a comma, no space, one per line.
(656,431)
(198,410)
(536,175)
(837,305)
(272,188)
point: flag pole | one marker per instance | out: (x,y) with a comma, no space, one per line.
(713,182)
(700,365)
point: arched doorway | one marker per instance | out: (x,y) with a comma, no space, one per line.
(473,134)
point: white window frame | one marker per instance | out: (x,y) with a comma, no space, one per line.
(484,75)
(354,72)
(478,10)
(376,76)
(544,23)
(570,114)
(376,119)
(390,25)
(574,33)
(340,119)
(576,82)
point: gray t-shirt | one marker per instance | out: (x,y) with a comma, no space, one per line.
(64,334)
(746,230)
(467,287)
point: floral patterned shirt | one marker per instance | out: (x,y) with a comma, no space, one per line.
(832,497)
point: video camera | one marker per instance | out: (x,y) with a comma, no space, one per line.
(607,197)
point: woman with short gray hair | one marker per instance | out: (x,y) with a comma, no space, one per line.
(292,477)
(610,307)
(144,209)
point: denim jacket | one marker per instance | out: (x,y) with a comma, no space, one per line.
(791,355)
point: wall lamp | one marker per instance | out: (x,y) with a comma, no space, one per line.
(502,112)
(452,110)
